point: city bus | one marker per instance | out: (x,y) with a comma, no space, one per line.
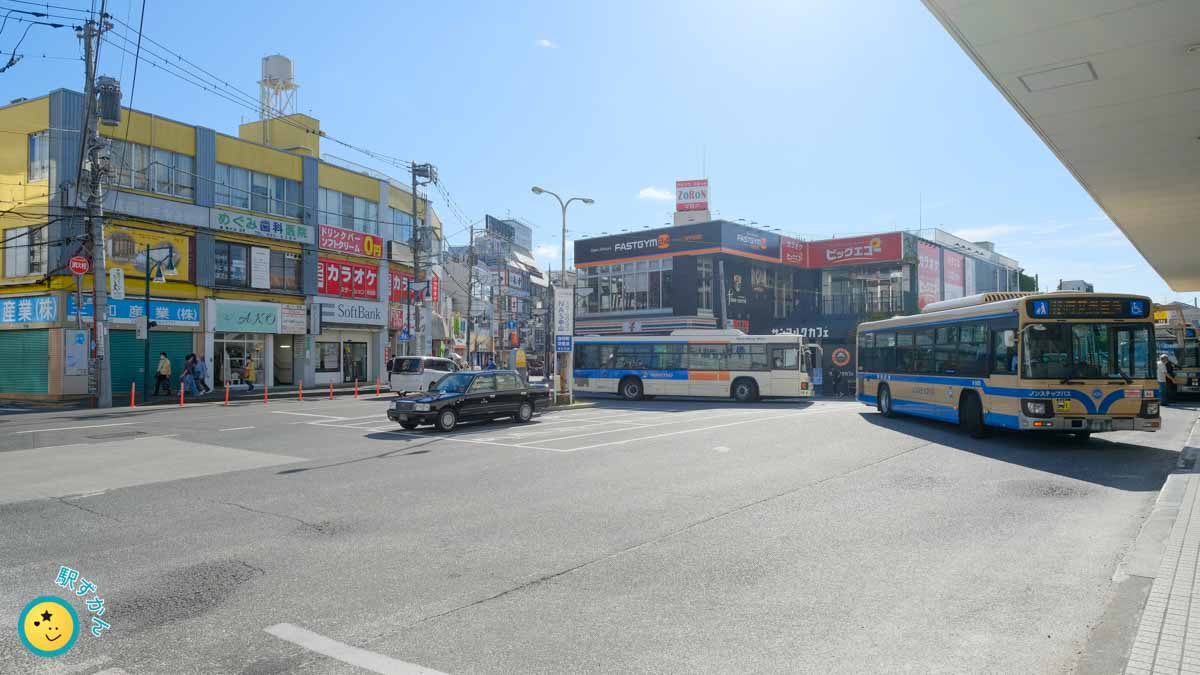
(1062,362)
(1179,341)
(724,363)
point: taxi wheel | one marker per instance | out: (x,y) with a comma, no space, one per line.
(447,420)
(408,425)
(524,413)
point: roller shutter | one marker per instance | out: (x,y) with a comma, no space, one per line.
(24,361)
(129,353)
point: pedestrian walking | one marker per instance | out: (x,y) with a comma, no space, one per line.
(248,374)
(200,372)
(162,375)
(1166,379)
(491,364)
(835,379)
(187,382)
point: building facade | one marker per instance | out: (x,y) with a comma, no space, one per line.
(691,276)
(273,264)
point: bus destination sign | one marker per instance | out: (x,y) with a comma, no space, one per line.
(1088,306)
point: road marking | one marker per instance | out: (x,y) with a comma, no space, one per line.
(289,412)
(721,448)
(460,439)
(90,426)
(113,671)
(644,426)
(689,431)
(376,663)
(235,429)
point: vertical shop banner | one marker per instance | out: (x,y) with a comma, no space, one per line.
(953,270)
(791,252)
(929,274)
(348,241)
(564,311)
(969,276)
(347,280)
(396,317)
(399,286)
(433,287)
(260,267)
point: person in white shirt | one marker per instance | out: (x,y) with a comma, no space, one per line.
(1166,379)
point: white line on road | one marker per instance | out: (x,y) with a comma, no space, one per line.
(113,671)
(376,663)
(235,429)
(90,426)
(289,412)
(733,413)
(456,439)
(688,431)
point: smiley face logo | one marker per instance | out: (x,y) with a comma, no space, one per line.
(48,626)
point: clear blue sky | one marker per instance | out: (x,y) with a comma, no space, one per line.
(822,118)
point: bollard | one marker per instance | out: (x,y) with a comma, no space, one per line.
(133,394)
(181,395)
(301,391)
(227,393)
(377,385)
(356,387)
(330,391)
(265,390)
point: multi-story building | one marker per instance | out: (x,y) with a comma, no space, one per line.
(1075,285)
(255,252)
(505,249)
(658,280)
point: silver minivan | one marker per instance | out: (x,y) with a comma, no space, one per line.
(416,373)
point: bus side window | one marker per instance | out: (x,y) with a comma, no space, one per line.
(906,352)
(784,357)
(1004,352)
(885,352)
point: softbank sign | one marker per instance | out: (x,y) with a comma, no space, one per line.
(661,242)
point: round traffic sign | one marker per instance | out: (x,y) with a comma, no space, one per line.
(79,265)
(841,357)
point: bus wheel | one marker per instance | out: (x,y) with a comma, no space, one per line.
(745,390)
(884,402)
(1082,436)
(970,416)
(631,389)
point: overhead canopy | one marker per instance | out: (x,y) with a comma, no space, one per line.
(1113,89)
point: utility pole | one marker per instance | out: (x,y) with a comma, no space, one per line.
(97,169)
(429,173)
(470,288)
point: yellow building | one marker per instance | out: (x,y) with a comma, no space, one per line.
(272,264)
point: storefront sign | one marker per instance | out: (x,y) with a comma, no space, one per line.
(348,241)
(246,317)
(354,312)
(691,195)
(126,250)
(433,287)
(952,269)
(293,319)
(396,317)
(742,239)
(929,274)
(791,252)
(347,279)
(241,223)
(855,250)
(564,311)
(399,286)
(33,309)
(260,267)
(129,310)
(650,243)
(75,352)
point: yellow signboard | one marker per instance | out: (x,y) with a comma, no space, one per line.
(520,358)
(1161,315)
(126,248)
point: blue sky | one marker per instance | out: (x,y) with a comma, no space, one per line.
(821,118)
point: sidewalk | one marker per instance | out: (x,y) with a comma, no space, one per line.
(1168,633)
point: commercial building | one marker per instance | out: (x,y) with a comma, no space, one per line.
(658,280)
(272,261)
(1076,285)
(505,249)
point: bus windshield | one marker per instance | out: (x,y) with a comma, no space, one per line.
(1065,351)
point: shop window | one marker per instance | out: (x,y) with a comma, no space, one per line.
(230,265)
(328,357)
(285,271)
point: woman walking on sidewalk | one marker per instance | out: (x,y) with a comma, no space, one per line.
(162,376)
(248,373)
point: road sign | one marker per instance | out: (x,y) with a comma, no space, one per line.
(116,283)
(79,265)
(404,336)
(512,323)
(562,343)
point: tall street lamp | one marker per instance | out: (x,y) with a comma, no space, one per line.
(565,375)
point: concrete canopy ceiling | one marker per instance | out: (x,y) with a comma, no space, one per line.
(1113,89)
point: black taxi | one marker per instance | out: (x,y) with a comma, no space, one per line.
(470,395)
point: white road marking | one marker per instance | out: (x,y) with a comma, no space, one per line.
(721,448)
(235,429)
(644,426)
(90,426)
(376,663)
(289,412)
(689,431)
(460,439)
(113,671)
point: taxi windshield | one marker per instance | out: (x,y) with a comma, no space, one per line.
(1065,351)
(453,384)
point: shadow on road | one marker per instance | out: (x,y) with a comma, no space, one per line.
(398,452)
(1125,466)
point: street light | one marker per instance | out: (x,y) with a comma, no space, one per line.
(537,190)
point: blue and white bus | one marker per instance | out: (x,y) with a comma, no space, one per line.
(724,363)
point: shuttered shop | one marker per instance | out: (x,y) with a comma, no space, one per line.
(24,361)
(129,354)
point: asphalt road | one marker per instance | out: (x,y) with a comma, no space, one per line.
(662,537)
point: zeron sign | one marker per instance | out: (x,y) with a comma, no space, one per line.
(691,195)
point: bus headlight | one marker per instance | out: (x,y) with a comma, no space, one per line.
(1149,409)
(1033,407)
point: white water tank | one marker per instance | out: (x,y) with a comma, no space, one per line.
(277,69)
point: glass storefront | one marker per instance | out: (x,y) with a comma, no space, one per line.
(865,290)
(238,358)
(628,287)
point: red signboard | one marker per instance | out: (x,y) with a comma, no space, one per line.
(952,271)
(691,195)
(791,252)
(348,241)
(399,291)
(347,279)
(79,265)
(433,287)
(854,250)
(929,274)
(396,317)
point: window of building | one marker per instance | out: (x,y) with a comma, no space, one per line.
(230,264)
(285,271)
(625,287)
(704,284)
(401,225)
(24,251)
(347,211)
(784,294)
(39,155)
(328,354)
(140,167)
(260,192)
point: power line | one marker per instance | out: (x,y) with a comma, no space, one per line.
(133,86)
